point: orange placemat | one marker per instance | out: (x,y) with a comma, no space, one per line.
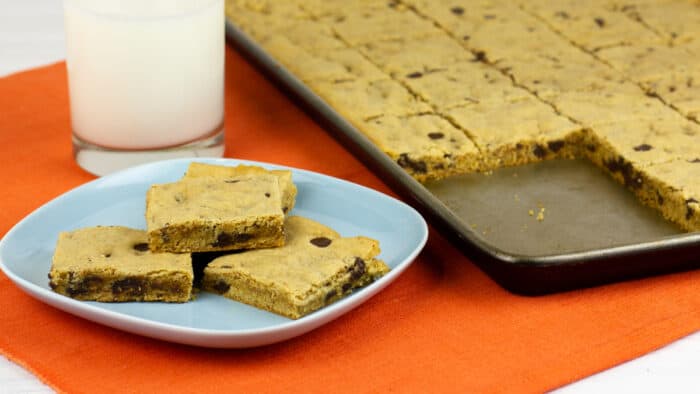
(443,326)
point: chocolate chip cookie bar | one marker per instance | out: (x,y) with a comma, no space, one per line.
(426,146)
(210,214)
(314,268)
(518,132)
(114,264)
(287,187)
(673,189)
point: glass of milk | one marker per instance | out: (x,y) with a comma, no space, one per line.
(146,80)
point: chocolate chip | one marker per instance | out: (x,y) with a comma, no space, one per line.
(221,287)
(555,146)
(671,89)
(643,148)
(562,14)
(267,195)
(436,135)
(479,56)
(600,22)
(457,10)
(689,82)
(227,239)
(346,287)
(142,246)
(659,198)
(466,37)
(696,160)
(413,75)
(223,239)
(129,286)
(85,285)
(689,210)
(285,209)
(331,294)
(539,151)
(321,242)
(624,168)
(232,181)
(591,147)
(357,269)
(406,162)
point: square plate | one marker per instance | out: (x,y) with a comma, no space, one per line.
(210,320)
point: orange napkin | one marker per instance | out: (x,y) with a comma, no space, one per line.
(443,326)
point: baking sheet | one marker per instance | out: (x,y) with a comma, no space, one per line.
(535,229)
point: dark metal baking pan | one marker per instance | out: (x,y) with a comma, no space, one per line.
(535,229)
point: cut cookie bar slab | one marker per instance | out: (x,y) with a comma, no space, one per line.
(113,264)
(202,215)
(426,146)
(313,269)
(287,187)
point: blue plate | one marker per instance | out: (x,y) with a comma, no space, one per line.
(209,320)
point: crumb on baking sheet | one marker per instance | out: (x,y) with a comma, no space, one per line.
(540,215)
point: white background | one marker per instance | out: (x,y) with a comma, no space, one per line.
(31,34)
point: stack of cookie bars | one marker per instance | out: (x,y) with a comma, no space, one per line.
(234,222)
(447,87)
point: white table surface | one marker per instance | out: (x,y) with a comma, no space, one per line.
(31,34)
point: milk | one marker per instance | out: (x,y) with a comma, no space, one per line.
(145,74)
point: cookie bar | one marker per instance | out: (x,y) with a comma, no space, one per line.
(357,27)
(313,269)
(477,83)
(210,214)
(426,146)
(341,64)
(592,28)
(363,99)
(518,132)
(398,57)
(113,264)
(284,177)
(673,189)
